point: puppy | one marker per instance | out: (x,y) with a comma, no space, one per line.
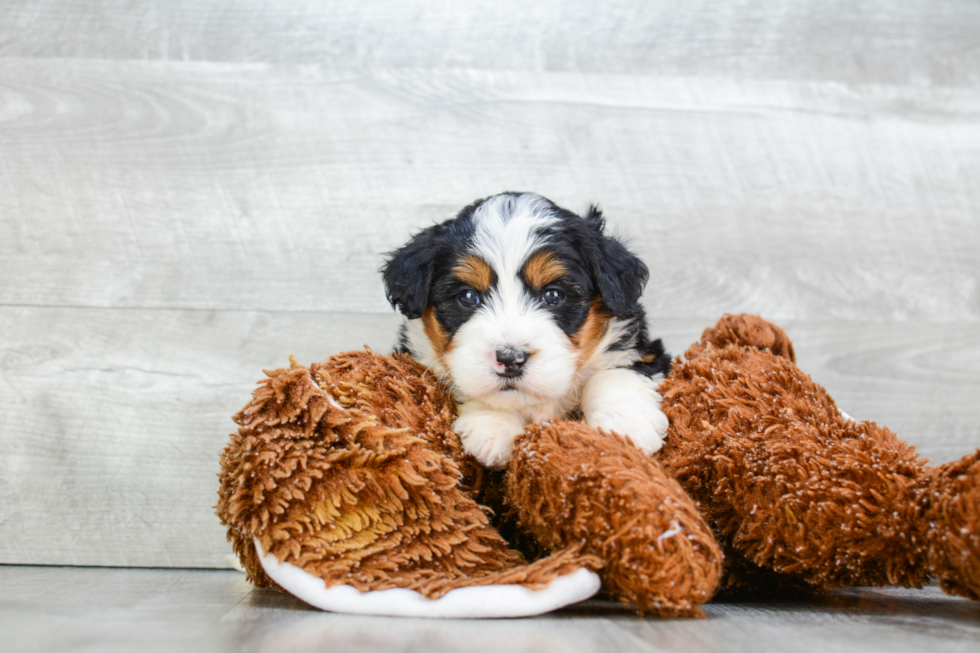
(528,312)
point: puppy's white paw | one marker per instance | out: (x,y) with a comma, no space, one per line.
(488,434)
(627,403)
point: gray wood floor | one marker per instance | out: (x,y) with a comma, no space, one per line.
(66,610)
(192,191)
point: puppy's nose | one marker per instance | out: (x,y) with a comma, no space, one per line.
(510,362)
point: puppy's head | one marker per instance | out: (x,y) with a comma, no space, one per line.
(511,300)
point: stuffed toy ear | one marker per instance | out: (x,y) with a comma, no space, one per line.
(408,272)
(746,331)
(619,275)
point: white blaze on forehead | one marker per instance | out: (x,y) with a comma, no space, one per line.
(508,231)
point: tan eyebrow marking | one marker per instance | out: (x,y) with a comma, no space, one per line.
(474,272)
(541,269)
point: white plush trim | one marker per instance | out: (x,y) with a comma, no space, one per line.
(478,602)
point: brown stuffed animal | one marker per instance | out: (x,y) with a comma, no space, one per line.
(349,474)
(788,484)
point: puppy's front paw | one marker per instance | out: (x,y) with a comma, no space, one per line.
(627,403)
(488,434)
(646,429)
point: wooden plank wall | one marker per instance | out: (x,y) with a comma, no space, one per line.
(191,191)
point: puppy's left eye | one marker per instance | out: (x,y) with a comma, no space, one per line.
(553,297)
(469,298)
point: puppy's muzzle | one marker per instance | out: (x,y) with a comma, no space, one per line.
(510,362)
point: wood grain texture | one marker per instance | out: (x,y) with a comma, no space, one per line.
(876,41)
(113,421)
(68,610)
(189,192)
(117,416)
(228,186)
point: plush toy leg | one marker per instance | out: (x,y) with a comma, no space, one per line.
(572,484)
(951,507)
(792,486)
(834,510)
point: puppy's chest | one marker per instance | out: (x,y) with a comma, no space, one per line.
(567,407)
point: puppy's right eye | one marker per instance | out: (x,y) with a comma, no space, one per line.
(469,298)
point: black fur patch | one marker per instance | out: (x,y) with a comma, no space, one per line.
(410,272)
(654,360)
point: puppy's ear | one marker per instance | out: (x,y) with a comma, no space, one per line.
(620,276)
(408,273)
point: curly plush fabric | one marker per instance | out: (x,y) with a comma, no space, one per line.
(790,485)
(350,470)
(950,508)
(573,484)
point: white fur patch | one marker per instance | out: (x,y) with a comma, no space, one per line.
(488,434)
(627,403)
(508,232)
(548,372)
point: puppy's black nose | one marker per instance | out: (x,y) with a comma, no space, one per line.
(510,362)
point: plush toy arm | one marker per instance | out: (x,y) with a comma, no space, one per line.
(573,484)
